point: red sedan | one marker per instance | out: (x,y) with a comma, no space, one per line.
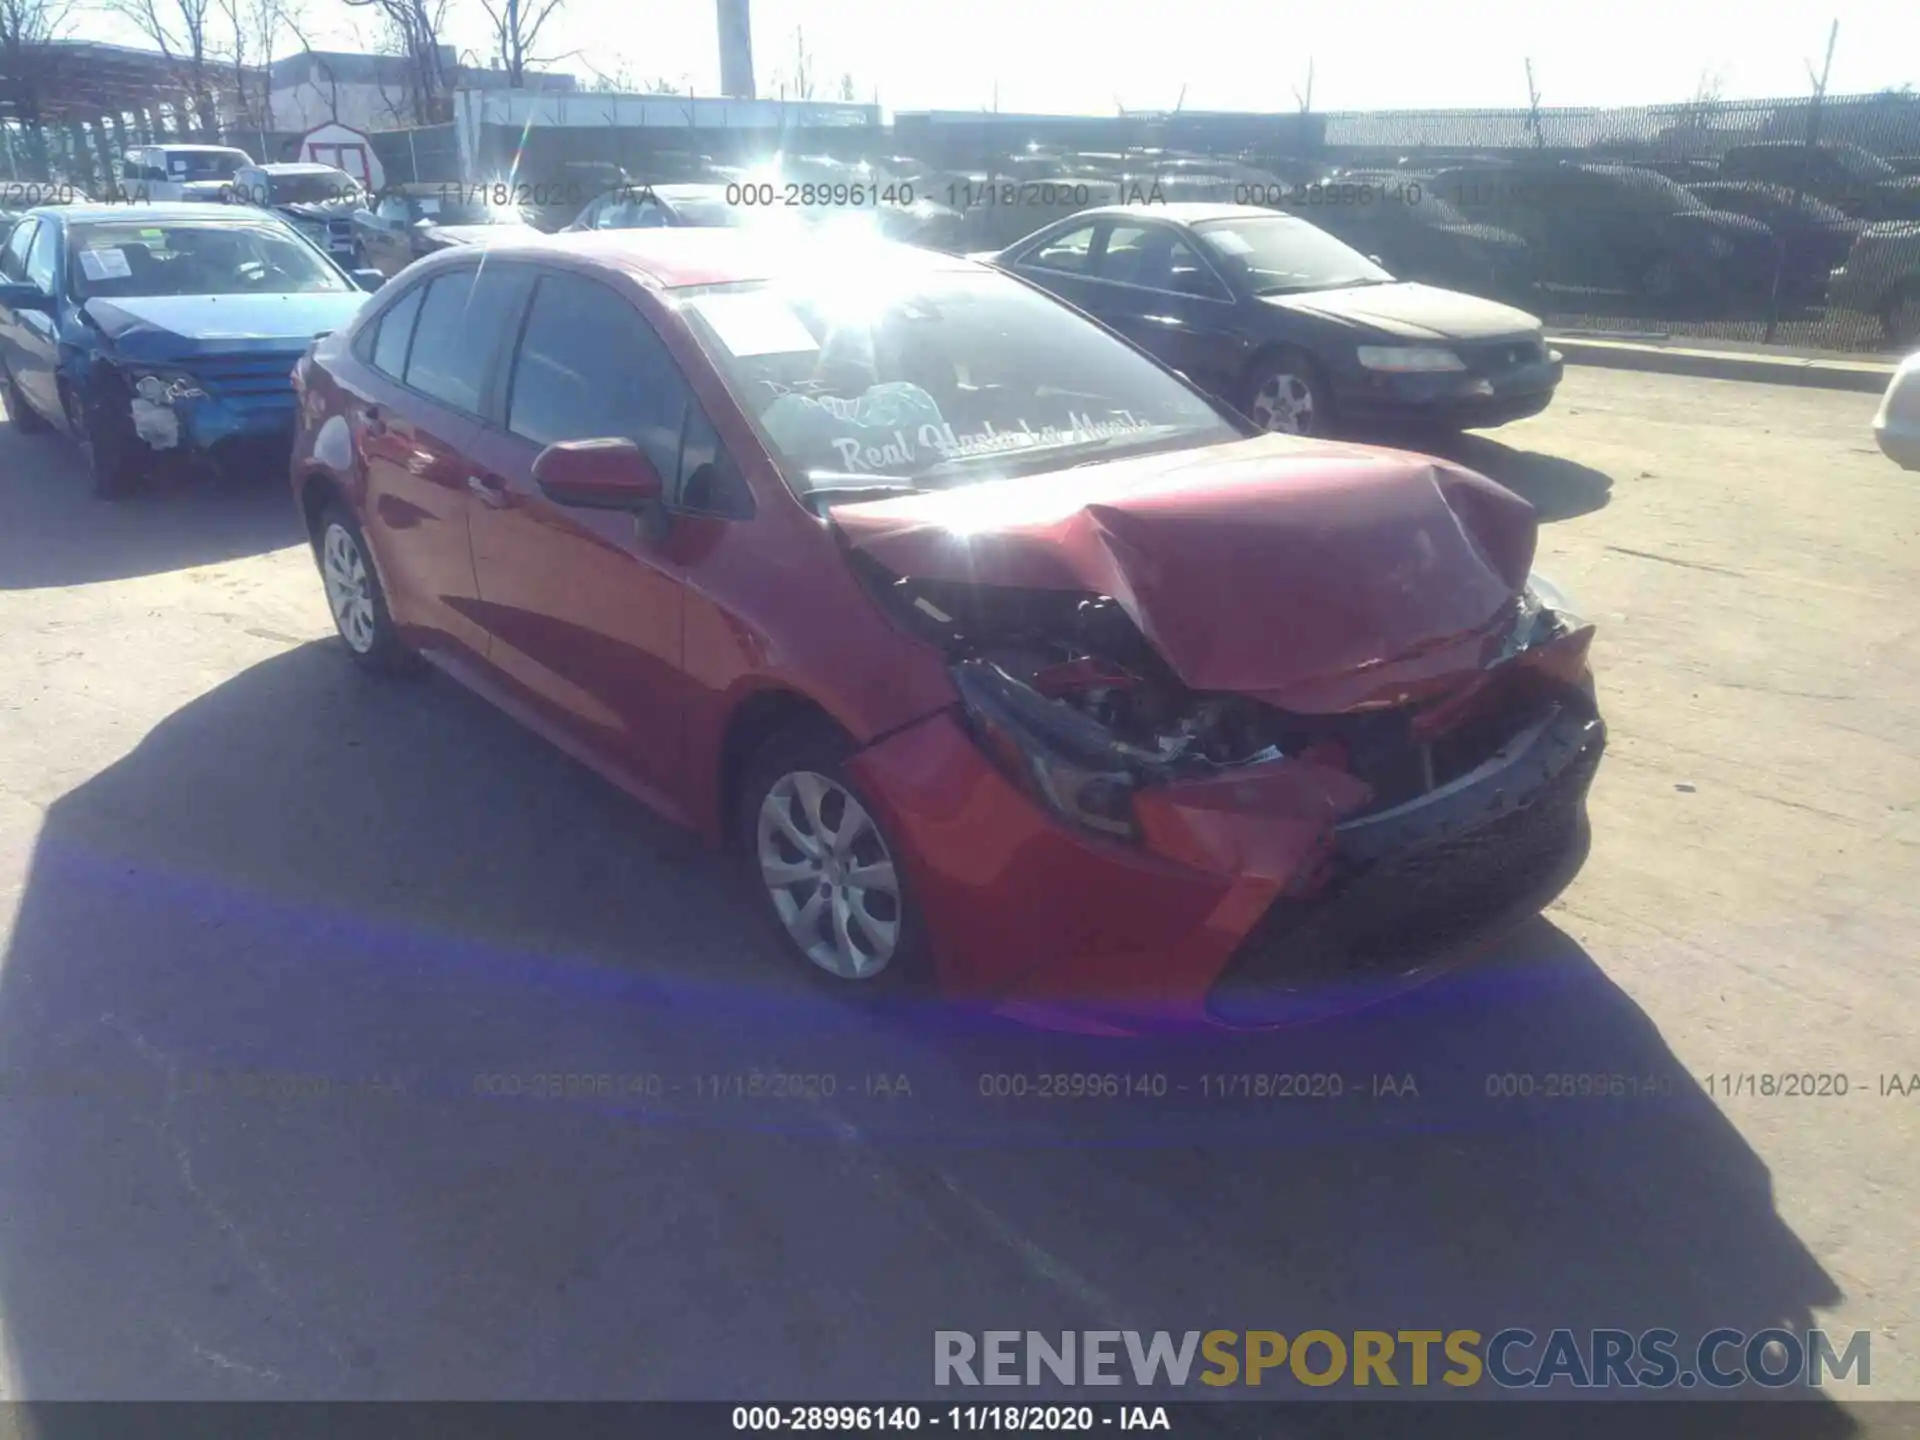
(1011,665)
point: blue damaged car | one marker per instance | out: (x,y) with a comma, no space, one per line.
(160,334)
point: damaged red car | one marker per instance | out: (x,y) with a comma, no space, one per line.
(1008,663)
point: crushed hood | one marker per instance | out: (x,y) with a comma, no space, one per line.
(1315,575)
(1411,312)
(165,327)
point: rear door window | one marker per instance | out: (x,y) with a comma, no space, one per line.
(393,332)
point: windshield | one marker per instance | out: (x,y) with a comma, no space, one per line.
(334,186)
(706,211)
(858,378)
(130,259)
(1278,255)
(1642,190)
(205,164)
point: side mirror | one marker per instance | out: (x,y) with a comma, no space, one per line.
(19,295)
(597,475)
(1378,261)
(369,280)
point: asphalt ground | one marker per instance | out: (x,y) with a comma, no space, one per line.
(286,951)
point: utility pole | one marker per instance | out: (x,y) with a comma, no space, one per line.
(1800,175)
(736,48)
(1533,109)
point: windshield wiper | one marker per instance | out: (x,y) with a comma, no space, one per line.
(858,488)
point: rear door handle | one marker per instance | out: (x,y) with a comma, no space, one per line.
(488,489)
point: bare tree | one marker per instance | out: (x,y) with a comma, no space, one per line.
(182,31)
(30,67)
(322,72)
(797,84)
(253,31)
(847,91)
(1304,98)
(416,26)
(516,29)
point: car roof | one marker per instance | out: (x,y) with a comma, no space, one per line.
(1186,212)
(173,210)
(196,149)
(675,257)
(684,189)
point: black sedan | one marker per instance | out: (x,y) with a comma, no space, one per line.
(1290,325)
(1815,236)
(1399,218)
(1620,230)
(408,221)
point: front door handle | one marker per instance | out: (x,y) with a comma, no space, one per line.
(488,489)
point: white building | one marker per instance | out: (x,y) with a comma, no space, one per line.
(374,92)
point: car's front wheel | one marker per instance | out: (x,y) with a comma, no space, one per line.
(816,850)
(26,419)
(359,605)
(1286,396)
(108,448)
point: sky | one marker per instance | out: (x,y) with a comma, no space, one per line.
(1089,56)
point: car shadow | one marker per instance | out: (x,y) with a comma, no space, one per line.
(54,532)
(359,1045)
(1558,489)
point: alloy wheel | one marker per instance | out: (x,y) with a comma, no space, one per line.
(1284,404)
(829,874)
(349,593)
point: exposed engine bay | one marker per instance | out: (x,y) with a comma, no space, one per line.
(1074,668)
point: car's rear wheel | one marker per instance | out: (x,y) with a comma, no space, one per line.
(108,448)
(354,596)
(833,884)
(26,419)
(1286,396)
(1899,317)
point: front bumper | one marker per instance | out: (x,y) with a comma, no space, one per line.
(1455,399)
(213,425)
(1251,891)
(1419,887)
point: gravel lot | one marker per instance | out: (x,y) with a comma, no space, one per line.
(223,851)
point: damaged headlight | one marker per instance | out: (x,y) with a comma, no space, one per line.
(1066,759)
(166,387)
(1542,594)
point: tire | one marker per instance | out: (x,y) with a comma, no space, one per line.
(108,449)
(1286,395)
(1899,316)
(354,597)
(25,419)
(879,950)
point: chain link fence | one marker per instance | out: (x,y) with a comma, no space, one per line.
(1790,221)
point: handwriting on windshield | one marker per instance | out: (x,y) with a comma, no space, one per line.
(931,443)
